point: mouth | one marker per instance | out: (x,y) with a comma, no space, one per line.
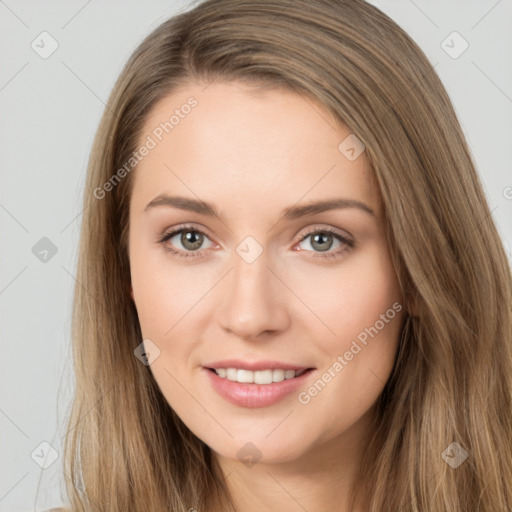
(256,388)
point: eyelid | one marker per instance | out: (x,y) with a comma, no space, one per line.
(182,227)
(315,228)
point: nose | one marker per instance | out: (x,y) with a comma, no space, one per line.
(253,302)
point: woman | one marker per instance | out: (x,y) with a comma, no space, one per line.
(291,294)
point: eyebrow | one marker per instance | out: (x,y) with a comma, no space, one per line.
(290,213)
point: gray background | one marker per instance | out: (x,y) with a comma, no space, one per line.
(50,109)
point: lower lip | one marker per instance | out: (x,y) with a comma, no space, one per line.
(255,395)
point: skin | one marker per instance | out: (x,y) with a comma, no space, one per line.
(252,153)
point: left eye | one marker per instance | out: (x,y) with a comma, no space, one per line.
(318,241)
(321,240)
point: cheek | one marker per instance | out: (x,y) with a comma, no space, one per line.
(362,306)
(350,297)
(164,292)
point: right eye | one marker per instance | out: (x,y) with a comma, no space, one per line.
(190,238)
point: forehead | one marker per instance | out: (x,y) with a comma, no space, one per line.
(248,145)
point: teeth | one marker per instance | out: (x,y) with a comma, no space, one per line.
(258,377)
(279,375)
(231,373)
(289,374)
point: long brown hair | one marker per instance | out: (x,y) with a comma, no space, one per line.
(452,381)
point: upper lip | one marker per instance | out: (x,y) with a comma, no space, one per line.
(254,365)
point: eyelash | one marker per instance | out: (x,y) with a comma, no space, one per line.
(199,254)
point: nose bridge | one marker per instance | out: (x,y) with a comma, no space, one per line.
(251,302)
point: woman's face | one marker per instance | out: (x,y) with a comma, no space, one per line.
(261,280)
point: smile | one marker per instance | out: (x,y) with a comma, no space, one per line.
(256,388)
